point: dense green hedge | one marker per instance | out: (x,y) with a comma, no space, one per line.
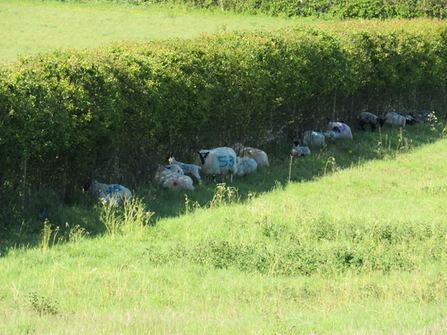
(366,9)
(74,113)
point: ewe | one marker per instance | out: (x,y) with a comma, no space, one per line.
(373,120)
(258,155)
(245,166)
(113,194)
(172,180)
(216,161)
(312,138)
(297,150)
(338,130)
(395,119)
(424,116)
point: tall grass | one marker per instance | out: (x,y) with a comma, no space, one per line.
(358,247)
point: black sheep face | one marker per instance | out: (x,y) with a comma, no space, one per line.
(87,185)
(203,156)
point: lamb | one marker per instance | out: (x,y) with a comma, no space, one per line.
(297,150)
(220,160)
(371,119)
(188,168)
(172,180)
(312,138)
(245,166)
(341,130)
(113,194)
(175,168)
(258,155)
(423,116)
(395,119)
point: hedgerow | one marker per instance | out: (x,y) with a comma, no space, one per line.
(73,113)
(364,9)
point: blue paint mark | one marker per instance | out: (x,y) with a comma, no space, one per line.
(114,189)
(223,161)
(185,167)
(231,159)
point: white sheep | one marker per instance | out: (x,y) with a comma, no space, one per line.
(258,155)
(297,150)
(395,119)
(108,193)
(172,180)
(188,168)
(312,138)
(341,130)
(245,166)
(216,161)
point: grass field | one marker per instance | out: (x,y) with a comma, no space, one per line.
(358,246)
(30,27)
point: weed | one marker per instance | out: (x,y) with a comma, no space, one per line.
(43,305)
(224,195)
(46,235)
(75,234)
(133,217)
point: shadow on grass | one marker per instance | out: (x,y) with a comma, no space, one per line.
(23,228)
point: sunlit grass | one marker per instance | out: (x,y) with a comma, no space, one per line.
(29,27)
(225,267)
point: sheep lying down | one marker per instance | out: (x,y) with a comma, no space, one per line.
(258,155)
(173,180)
(297,150)
(338,130)
(216,161)
(113,194)
(245,166)
(312,138)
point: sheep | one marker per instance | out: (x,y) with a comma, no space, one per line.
(341,130)
(395,119)
(297,150)
(188,168)
(410,121)
(371,119)
(245,166)
(172,180)
(258,155)
(175,168)
(115,194)
(312,138)
(220,160)
(423,116)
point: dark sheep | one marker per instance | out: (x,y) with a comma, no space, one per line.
(423,116)
(410,121)
(373,120)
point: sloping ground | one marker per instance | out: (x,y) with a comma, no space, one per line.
(360,250)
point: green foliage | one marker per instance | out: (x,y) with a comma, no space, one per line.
(132,218)
(361,9)
(42,305)
(126,106)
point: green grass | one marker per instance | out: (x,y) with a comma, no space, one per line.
(30,27)
(353,246)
